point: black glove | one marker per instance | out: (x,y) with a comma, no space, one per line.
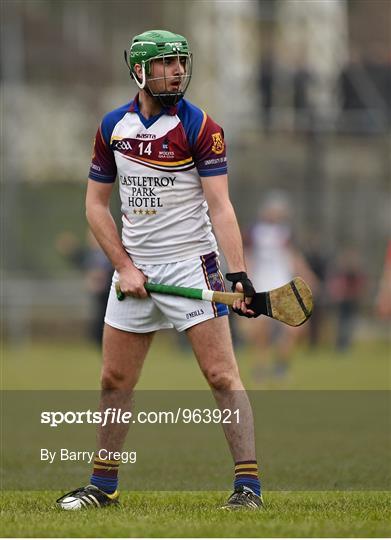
(248,288)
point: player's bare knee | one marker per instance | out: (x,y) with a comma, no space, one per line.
(113,379)
(221,379)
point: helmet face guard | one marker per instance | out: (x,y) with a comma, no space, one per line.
(165,47)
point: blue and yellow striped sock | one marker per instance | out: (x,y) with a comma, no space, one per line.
(105,475)
(246,474)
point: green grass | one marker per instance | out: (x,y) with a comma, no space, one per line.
(173,514)
(76,366)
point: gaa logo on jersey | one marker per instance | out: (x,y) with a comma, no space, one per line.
(122,144)
(218,143)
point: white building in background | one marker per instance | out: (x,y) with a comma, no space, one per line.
(224,37)
(314,33)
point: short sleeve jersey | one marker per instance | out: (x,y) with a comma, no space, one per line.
(159,162)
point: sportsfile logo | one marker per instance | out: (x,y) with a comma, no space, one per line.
(118,416)
(108,416)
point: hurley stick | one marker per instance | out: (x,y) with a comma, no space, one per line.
(291,304)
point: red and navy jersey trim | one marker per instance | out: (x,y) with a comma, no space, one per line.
(214,280)
(192,119)
(111,119)
(197,137)
(205,138)
(103,166)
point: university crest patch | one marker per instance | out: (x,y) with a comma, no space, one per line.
(218,143)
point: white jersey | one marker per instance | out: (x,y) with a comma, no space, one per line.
(159,163)
(271,255)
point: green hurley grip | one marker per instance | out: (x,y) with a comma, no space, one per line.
(120,294)
(187,292)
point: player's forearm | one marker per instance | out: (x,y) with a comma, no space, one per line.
(228,235)
(105,231)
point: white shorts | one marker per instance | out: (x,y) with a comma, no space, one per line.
(160,311)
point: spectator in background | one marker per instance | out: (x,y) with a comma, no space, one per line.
(346,286)
(304,114)
(365,91)
(383,298)
(350,94)
(98,273)
(274,261)
(267,78)
(314,254)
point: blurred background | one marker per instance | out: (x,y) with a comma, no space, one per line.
(303,91)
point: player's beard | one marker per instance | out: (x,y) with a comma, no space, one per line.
(169,100)
(166,99)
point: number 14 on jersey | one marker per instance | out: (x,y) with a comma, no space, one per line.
(145,150)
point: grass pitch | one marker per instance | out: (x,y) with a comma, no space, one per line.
(76,366)
(195,514)
(173,514)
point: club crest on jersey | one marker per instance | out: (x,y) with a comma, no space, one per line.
(165,152)
(218,143)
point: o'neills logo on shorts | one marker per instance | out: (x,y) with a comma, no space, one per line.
(193,314)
